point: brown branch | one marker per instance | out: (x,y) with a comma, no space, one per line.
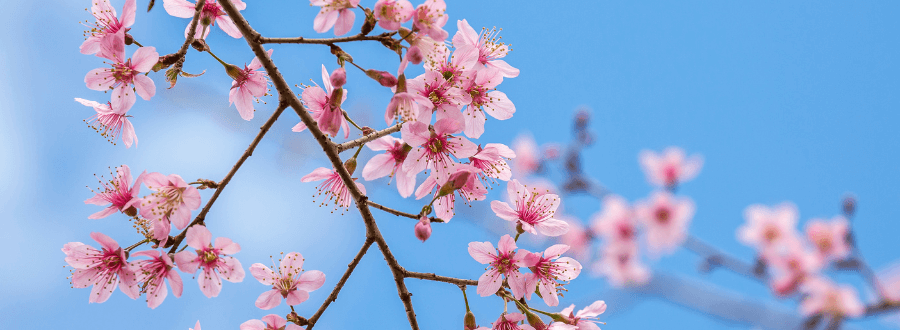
(400,213)
(365,139)
(167,60)
(328,147)
(716,258)
(337,288)
(247,153)
(882,307)
(324,41)
(439,278)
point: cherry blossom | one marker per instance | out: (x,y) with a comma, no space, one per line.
(528,156)
(791,265)
(453,67)
(249,83)
(108,25)
(430,19)
(406,106)
(391,13)
(111,123)
(532,209)
(670,168)
(336,13)
(153,272)
(170,203)
(487,44)
(829,238)
(578,238)
(546,269)
(621,265)
(211,13)
(433,147)
(485,98)
(390,163)
(333,187)
(287,282)
(823,296)
(270,322)
(768,228)
(665,218)
(124,76)
(104,269)
(324,106)
(446,99)
(118,194)
(585,319)
(503,261)
(463,182)
(491,160)
(214,260)
(510,322)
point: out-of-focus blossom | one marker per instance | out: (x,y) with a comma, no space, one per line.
(547,268)
(104,269)
(487,44)
(670,168)
(390,163)
(249,83)
(170,203)
(270,322)
(336,13)
(211,14)
(391,13)
(333,188)
(119,193)
(768,228)
(123,76)
(532,209)
(430,19)
(108,25)
(287,283)
(196,327)
(503,261)
(214,260)
(485,98)
(585,319)
(792,265)
(823,296)
(325,109)
(153,273)
(578,238)
(528,158)
(433,147)
(666,219)
(615,222)
(829,238)
(621,265)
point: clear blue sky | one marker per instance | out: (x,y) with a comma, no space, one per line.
(786,100)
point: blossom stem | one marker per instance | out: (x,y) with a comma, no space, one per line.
(357,151)
(516,239)
(400,213)
(128,249)
(217,58)
(137,43)
(346,116)
(466,299)
(357,66)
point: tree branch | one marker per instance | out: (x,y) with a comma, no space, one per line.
(324,41)
(400,213)
(439,278)
(714,257)
(337,288)
(328,147)
(247,153)
(365,139)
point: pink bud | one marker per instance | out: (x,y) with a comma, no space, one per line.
(456,181)
(384,78)
(423,228)
(339,78)
(414,55)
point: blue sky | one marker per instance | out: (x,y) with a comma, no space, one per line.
(786,101)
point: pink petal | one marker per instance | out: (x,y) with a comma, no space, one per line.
(504,211)
(405,183)
(129,137)
(231,268)
(311,280)
(291,264)
(175,281)
(226,246)
(105,241)
(252,325)
(268,300)
(144,59)
(474,119)
(128,13)
(187,261)
(227,25)
(144,87)
(552,227)
(243,101)
(325,20)
(99,79)
(209,282)
(297,296)
(198,237)
(489,283)
(191,198)
(320,173)
(105,213)
(122,97)
(506,245)
(179,8)
(483,252)
(379,166)
(263,274)
(344,22)
(500,106)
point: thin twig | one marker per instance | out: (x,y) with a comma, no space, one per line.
(365,139)
(324,41)
(247,153)
(718,258)
(439,278)
(337,288)
(400,213)
(328,147)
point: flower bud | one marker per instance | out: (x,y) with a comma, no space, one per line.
(369,23)
(469,321)
(339,78)
(384,78)
(423,228)
(414,55)
(456,181)
(129,39)
(849,206)
(535,321)
(130,211)
(350,165)
(336,97)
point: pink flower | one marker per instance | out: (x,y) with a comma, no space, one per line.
(107,25)
(510,322)
(391,13)
(670,168)
(287,283)
(170,203)
(211,14)
(665,218)
(492,162)
(546,269)
(213,259)
(487,44)
(248,84)
(390,163)
(823,296)
(469,189)
(767,228)
(616,222)
(337,13)
(503,261)
(270,322)
(117,193)
(333,186)
(485,98)
(111,123)
(430,19)
(533,210)
(528,157)
(446,100)
(585,319)
(406,106)
(829,239)
(792,265)
(453,67)
(103,269)
(422,229)
(325,109)
(125,75)
(578,238)
(433,147)
(621,265)
(153,272)
(196,327)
